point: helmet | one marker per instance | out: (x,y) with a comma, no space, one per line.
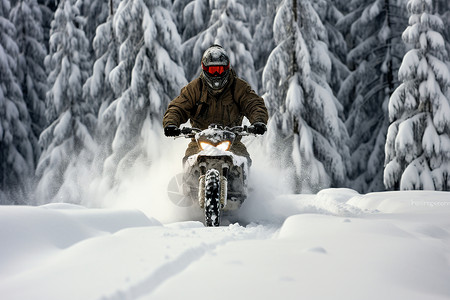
(216,67)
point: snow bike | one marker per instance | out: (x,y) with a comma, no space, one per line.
(215,178)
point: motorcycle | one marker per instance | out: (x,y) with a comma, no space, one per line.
(215,178)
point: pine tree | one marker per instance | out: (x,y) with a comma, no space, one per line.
(16,150)
(148,75)
(98,88)
(69,115)
(227,27)
(48,8)
(373,27)
(82,175)
(306,132)
(96,12)
(263,41)
(27,18)
(330,14)
(442,8)
(192,19)
(418,140)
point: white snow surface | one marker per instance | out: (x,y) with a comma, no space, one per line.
(336,244)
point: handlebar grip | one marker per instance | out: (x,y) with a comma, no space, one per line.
(186,130)
(250,129)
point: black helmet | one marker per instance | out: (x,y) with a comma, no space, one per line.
(216,67)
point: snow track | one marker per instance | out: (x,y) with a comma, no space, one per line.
(182,245)
(104,263)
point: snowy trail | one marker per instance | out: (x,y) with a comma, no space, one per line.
(184,245)
(333,245)
(327,257)
(125,264)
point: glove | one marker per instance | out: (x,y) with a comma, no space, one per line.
(172,130)
(260,127)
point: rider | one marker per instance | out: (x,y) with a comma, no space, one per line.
(217,96)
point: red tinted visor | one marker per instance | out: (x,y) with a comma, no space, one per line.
(215,70)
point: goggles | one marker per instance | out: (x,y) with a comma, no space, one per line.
(215,70)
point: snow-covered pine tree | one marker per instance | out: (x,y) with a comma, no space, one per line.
(373,28)
(256,10)
(418,140)
(51,4)
(263,42)
(192,18)
(96,13)
(48,8)
(69,115)
(442,8)
(98,87)
(444,11)
(16,149)
(147,77)
(97,91)
(27,17)
(329,14)
(305,132)
(226,27)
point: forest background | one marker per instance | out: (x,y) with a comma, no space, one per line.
(358,91)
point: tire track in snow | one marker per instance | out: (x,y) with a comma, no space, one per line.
(144,287)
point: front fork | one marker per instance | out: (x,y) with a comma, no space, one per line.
(223,185)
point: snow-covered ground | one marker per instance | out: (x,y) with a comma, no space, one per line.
(333,245)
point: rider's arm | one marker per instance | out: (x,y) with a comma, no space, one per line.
(180,108)
(251,104)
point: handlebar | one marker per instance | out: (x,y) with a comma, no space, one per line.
(189,132)
(242,130)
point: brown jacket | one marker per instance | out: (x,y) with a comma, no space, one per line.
(203,108)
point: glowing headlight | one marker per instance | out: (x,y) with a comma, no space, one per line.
(205,145)
(224,146)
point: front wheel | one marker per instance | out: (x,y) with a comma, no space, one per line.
(212,198)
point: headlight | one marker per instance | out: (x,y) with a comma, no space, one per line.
(205,145)
(224,146)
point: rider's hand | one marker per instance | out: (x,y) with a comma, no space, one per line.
(172,130)
(260,127)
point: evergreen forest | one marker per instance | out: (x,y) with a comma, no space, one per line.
(358,91)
